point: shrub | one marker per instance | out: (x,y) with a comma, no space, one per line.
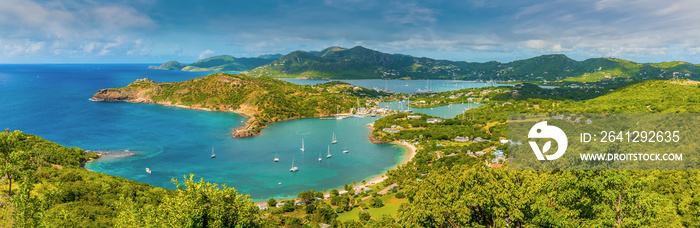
(364,216)
(400,195)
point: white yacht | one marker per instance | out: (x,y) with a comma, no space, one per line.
(294,168)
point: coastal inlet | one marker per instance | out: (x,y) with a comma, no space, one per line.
(247,163)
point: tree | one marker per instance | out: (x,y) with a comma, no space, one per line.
(26,207)
(194,204)
(400,195)
(7,146)
(376,202)
(318,195)
(288,206)
(271,202)
(334,193)
(306,196)
(364,216)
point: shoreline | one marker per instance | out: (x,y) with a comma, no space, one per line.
(410,151)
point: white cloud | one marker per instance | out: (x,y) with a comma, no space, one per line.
(118,46)
(616,28)
(205,54)
(410,13)
(117,17)
(73,28)
(12,48)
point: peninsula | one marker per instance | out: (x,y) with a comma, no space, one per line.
(219,63)
(263,100)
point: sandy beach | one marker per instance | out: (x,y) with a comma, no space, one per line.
(409,154)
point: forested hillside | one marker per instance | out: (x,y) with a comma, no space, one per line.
(263,99)
(362,63)
(219,63)
(443,186)
(459,190)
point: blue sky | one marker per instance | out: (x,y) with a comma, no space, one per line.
(154,31)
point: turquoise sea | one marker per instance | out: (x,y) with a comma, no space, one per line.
(52,101)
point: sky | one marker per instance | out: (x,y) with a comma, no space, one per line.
(156,31)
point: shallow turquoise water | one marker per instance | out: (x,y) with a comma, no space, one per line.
(52,101)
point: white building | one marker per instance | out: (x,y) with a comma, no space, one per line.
(434,120)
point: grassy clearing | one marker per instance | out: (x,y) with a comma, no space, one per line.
(391,207)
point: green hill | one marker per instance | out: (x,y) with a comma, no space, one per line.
(170,65)
(263,99)
(226,63)
(49,186)
(220,63)
(362,63)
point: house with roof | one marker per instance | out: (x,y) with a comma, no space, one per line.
(479,139)
(391,131)
(461,139)
(413,116)
(434,120)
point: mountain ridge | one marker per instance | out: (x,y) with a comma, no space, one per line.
(220,63)
(362,63)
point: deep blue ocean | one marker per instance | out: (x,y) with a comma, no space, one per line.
(52,101)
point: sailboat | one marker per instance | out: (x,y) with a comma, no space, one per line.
(346,149)
(294,168)
(212,152)
(302,144)
(319,157)
(277,159)
(334,140)
(329,152)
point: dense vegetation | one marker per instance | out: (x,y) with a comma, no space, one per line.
(445,185)
(220,63)
(263,99)
(54,191)
(360,62)
(453,191)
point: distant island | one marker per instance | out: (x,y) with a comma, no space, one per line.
(264,100)
(362,63)
(219,63)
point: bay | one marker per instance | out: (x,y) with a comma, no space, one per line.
(52,101)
